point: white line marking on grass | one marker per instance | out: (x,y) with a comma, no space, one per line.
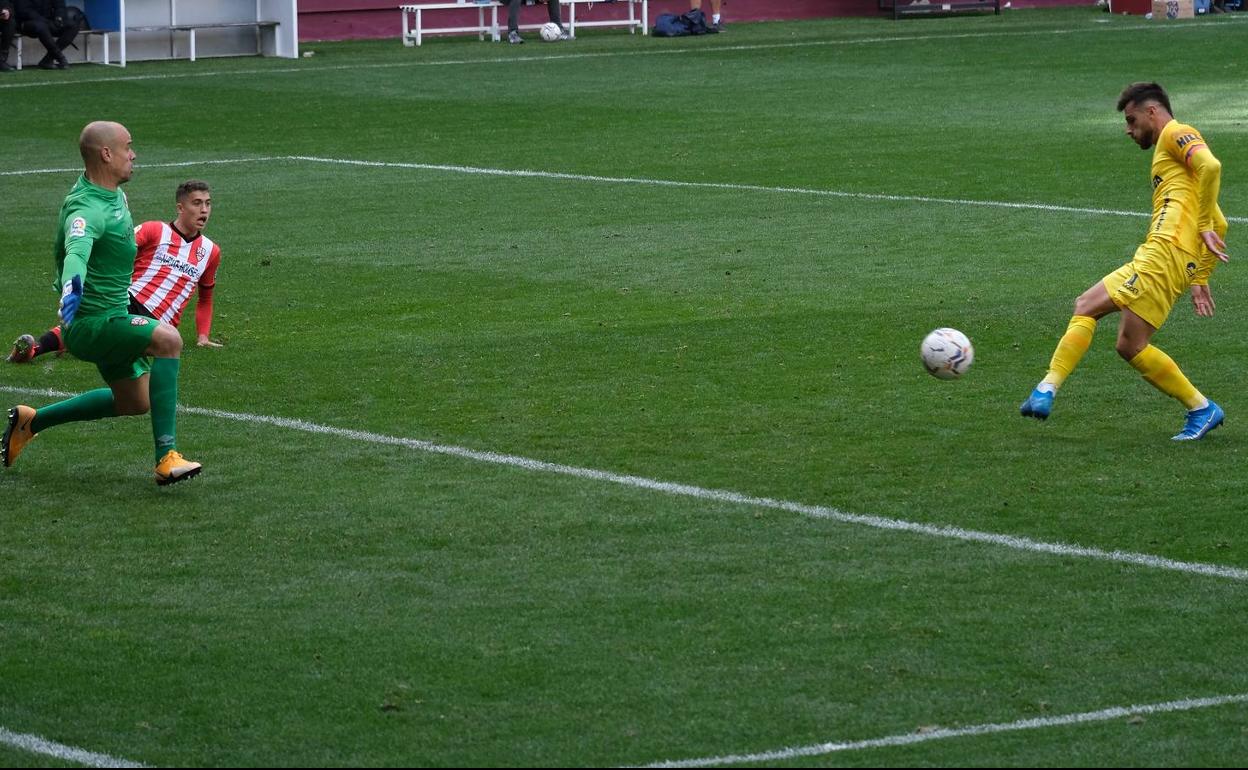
(36,745)
(730,186)
(716,495)
(702,49)
(172,164)
(1118,712)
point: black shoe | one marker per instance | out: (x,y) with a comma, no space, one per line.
(62,63)
(5,66)
(48,62)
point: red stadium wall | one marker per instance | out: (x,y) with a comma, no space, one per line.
(357,19)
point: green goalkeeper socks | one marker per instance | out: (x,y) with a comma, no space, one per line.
(98,403)
(163,389)
(92,405)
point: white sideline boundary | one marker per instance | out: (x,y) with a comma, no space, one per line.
(703,49)
(1104,715)
(641,181)
(36,745)
(1061,550)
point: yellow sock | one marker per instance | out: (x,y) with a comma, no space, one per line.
(1070,349)
(1163,373)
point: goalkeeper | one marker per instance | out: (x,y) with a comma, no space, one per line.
(95,250)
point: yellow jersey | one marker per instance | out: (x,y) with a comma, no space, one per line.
(1186,177)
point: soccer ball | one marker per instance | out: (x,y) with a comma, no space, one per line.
(551,32)
(947,354)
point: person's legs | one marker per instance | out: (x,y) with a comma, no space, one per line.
(113,345)
(715,16)
(117,346)
(1159,276)
(26,348)
(92,405)
(8,29)
(39,29)
(513,16)
(1160,370)
(1070,349)
(68,33)
(25,422)
(166,348)
(51,341)
(554,11)
(1090,307)
(130,396)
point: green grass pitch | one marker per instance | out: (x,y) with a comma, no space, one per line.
(321,598)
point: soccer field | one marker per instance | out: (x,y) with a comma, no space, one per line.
(570,411)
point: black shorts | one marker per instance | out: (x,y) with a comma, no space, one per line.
(137,308)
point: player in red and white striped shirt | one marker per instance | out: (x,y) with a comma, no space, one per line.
(174,259)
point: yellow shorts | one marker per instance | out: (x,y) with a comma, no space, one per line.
(1151,282)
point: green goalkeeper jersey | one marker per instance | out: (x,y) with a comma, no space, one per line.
(95,240)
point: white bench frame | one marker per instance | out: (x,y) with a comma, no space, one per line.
(86,51)
(414,28)
(632,22)
(261,25)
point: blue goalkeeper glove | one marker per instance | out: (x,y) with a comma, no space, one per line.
(71,298)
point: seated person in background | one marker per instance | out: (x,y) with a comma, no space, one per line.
(8,26)
(46,20)
(513,19)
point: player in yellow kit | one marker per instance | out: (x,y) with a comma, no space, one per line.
(1184,244)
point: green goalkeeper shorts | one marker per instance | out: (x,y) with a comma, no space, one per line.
(115,344)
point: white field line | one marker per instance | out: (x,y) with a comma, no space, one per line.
(642,181)
(702,49)
(1061,550)
(36,745)
(1117,712)
(172,164)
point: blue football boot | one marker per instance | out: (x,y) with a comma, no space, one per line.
(1201,421)
(1037,405)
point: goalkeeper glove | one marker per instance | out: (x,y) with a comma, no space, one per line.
(71,298)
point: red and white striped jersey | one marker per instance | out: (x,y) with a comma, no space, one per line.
(169,268)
